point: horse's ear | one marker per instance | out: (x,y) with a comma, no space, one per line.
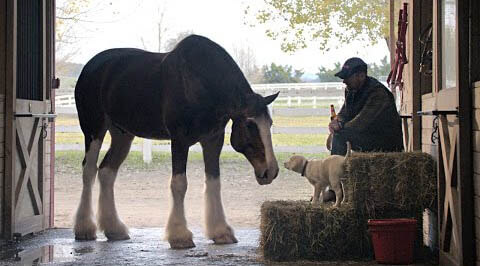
(269,99)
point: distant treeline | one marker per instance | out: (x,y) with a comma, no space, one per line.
(272,73)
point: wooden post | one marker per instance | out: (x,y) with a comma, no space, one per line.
(147,151)
(392,40)
(464,151)
(392,31)
(415,28)
(10,131)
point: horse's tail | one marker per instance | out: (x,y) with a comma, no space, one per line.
(88,96)
(87,101)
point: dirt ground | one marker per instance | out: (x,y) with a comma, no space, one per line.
(142,197)
(143,201)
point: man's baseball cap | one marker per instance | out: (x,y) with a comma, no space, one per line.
(351,66)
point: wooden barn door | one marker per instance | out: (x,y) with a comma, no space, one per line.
(452,109)
(27,123)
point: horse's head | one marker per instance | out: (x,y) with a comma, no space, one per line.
(251,136)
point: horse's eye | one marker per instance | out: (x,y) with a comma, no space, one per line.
(251,124)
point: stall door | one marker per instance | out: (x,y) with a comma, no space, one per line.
(453,115)
(25,163)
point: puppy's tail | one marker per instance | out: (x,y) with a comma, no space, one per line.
(349,150)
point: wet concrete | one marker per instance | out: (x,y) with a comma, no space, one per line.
(146,247)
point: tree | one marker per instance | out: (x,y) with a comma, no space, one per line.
(328,75)
(68,13)
(161,29)
(296,22)
(281,74)
(379,72)
(245,58)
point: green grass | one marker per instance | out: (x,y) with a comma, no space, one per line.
(304,121)
(278,121)
(66,120)
(71,161)
(77,138)
(277,139)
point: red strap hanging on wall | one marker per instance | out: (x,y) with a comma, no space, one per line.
(395,77)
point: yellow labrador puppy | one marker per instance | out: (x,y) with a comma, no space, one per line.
(321,173)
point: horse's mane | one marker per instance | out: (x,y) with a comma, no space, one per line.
(212,64)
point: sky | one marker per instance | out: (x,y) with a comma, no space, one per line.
(133,23)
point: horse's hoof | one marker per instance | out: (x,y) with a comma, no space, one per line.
(85,235)
(113,236)
(85,230)
(225,239)
(181,243)
(118,231)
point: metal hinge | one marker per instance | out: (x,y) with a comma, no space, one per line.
(55,83)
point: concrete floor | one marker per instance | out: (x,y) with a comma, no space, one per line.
(146,247)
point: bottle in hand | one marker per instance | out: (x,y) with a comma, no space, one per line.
(333,115)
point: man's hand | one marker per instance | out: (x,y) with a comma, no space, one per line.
(334,126)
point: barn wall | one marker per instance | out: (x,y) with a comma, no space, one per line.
(476,160)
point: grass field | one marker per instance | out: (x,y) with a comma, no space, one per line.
(278,121)
(277,139)
(71,161)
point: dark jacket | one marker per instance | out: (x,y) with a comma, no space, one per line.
(371,112)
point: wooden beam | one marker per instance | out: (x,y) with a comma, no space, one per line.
(464,151)
(3,54)
(415,23)
(474,41)
(392,31)
(51,67)
(10,96)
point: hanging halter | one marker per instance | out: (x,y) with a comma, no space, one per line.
(396,74)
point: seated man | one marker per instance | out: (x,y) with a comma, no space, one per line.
(368,119)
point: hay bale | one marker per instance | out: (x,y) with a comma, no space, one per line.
(292,230)
(378,185)
(383,184)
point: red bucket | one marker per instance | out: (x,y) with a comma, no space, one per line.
(393,240)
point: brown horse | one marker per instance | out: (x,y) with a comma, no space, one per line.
(187,95)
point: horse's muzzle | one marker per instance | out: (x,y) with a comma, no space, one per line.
(267,176)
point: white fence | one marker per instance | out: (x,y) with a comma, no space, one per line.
(312,102)
(67,100)
(298,86)
(291,94)
(307,95)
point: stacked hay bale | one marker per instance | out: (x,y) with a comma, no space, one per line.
(377,185)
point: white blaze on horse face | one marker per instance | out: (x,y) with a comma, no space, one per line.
(264,123)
